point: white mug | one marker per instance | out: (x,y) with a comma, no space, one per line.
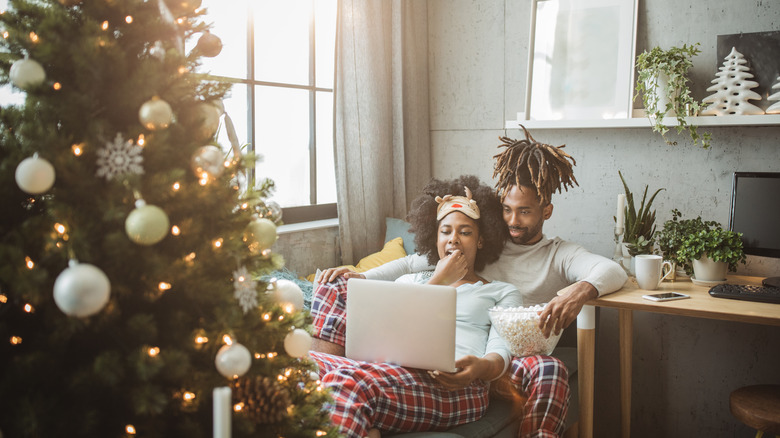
(651,270)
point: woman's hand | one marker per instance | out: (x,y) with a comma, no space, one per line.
(450,269)
(470,368)
(331,274)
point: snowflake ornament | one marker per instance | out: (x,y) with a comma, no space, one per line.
(119,157)
(245,289)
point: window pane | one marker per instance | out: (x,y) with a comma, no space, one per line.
(235,107)
(325,45)
(282,136)
(326,171)
(282,40)
(230,25)
(10,95)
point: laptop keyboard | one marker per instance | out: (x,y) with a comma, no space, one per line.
(766,294)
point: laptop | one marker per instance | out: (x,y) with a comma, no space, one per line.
(408,324)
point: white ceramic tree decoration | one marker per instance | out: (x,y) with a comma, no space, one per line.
(775,108)
(732,89)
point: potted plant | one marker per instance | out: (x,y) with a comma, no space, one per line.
(662,81)
(638,224)
(713,249)
(675,230)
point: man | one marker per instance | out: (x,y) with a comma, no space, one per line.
(553,271)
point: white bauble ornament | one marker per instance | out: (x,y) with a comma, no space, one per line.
(288,292)
(297,343)
(146,224)
(203,118)
(81,289)
(208,160)
(155,114)
(209,45)
(34,175)
(260,235)
(26,73)
(233,360)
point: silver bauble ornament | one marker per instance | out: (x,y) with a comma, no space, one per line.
(146,224)
(273,211)
(34,175)
(81,289)
(297,343)
(209,45)
(260,235)
(287,292)
(26,73)
(233,360)
(208,161)
(155,114)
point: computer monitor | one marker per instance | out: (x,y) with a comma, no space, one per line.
(755,212)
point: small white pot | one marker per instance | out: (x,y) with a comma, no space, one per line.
(704,269)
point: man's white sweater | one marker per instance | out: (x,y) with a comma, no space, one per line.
(539,271)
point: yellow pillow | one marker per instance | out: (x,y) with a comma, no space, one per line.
(394,249)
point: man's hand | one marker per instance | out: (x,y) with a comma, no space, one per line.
(470,368)
(331,274)
(563,309)
(450,269)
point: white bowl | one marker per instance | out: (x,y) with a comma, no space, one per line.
(519,327)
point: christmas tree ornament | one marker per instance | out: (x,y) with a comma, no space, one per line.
(270,210)
(81,289)
(26,73)
(146,224)
(209,45)
(208,161)
(233,360)
(118,158)
(155,114)
(288,293)
(265,400)
(775,97)
(297,343)
(34,175)
(245,289)
(260,235)
(157,51)
(183,7)
(732,89)
(203,118)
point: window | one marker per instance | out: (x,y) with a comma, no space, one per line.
(281,55)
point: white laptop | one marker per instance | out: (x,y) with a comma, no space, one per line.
(408,324)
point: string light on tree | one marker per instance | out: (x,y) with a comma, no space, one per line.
(35,175)
(81,290)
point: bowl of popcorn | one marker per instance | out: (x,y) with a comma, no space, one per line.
(519,327)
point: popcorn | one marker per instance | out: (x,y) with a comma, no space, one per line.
(519,327)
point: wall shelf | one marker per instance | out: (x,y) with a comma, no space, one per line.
(643,122)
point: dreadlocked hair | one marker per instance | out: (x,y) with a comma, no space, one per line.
(492,229)
(530,163)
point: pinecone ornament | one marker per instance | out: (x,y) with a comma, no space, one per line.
(265,400)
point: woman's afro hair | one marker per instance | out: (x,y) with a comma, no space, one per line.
(424,225)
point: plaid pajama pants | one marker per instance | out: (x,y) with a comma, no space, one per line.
(392,398)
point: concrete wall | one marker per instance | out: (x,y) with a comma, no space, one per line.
(684,369)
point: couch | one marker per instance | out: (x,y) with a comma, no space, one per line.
(502,419)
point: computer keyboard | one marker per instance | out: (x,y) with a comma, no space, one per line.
(765,294)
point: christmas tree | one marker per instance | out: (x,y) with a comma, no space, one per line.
(732,89)
(132,245)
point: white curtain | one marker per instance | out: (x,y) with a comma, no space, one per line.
(382,135)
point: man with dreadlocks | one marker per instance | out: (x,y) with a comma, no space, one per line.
(562,274)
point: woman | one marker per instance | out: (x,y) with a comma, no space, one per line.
(459,234)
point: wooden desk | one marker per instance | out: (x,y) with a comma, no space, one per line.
(628,299)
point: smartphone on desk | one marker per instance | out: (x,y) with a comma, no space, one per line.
(665,296)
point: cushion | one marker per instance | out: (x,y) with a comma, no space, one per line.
(399,228)
(393,249)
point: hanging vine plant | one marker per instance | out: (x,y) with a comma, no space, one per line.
(663,83)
